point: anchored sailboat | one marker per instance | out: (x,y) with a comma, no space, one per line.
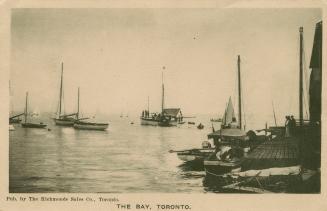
(27,124)
(64,119)
(166,118)
(84,125)
(231,141)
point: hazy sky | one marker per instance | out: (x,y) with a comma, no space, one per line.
(116,57)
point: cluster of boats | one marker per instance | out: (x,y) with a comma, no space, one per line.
(231,143)
(273,159)
(61,119)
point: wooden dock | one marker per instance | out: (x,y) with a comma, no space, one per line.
(279,152)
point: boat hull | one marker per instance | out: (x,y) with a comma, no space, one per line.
(64,122)
(91,126)
(154,122)
(195,155)
(216,167)
(151,122)
(189,158)
(33,125)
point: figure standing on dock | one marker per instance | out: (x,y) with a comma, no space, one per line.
(293,125)
(288,127)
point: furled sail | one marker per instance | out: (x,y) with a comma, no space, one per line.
(229,113)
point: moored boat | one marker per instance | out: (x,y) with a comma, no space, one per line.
(200,126)
(166,118)
(232,144)
(79,124)
(65,119)
(27,124)
(195,155)
(82,125)
(33,125)
(231,141)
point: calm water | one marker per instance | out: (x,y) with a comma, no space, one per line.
(127,158)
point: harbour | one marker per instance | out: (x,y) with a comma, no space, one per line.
(113,161)
(189,139)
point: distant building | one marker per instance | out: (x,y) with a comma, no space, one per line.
(174,113)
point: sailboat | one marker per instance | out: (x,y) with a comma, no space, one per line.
(64,119)
(27,124)
(198,155)
(86,125)
(13,119)
(166,118)
(231,141)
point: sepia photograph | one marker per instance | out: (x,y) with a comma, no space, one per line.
(165,100)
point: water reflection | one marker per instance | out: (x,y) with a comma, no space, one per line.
(125,159)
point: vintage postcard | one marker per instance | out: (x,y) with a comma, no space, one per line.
(163,105)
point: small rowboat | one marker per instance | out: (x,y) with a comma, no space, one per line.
(33,125)
(81,125)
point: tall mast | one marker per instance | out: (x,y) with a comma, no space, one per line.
(163,95)
(274,113)
(25,114)
(61,81)
(301,78)
(148,104)
(239,92)
(77,115)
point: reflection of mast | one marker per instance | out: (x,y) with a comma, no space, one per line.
(301,78)
(239,92)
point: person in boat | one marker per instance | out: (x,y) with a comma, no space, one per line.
(233,124)
(228,153)
(287,127)
(223,152)
(206,145)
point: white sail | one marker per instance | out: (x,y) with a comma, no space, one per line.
(229,113)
